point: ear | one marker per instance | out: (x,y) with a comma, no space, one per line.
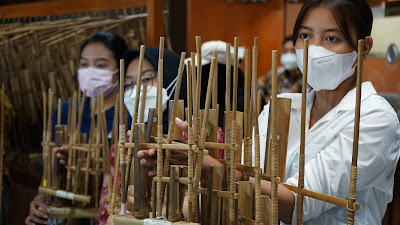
(368,42)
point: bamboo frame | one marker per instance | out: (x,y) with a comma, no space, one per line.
(2,118)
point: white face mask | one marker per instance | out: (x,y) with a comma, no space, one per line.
(151,99)
(289,61)
(326,69)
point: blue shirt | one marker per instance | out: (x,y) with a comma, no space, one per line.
(86,119)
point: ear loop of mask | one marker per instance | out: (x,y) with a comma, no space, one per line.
(172,86)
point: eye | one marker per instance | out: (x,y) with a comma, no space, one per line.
(303,36)
(101,66)
(332,39)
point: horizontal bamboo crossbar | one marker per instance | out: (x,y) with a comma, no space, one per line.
(322,197)
(130,220)
(69,212)
(65,195)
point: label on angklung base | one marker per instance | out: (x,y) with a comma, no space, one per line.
(156,222)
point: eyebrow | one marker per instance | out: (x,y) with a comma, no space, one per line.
(325,31)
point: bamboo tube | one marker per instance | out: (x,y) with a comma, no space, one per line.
(235,76)
(204,123)
(228,84)
(72,141)
(174,212)
(88,160)
(353,171)
(160,128)
(199,69)
(44,134)
(302,136)
(69,114)
(59,112)
(115,181)
(215,85)
(135,116)
(49,132)
(247,117)
(106,150)
(255,113)
(233,133)
(245,203)
(81,108)
(215,215)
(1,141)
(274,147)
(69,212)
(143,105)
(171,128)
(142,198)
(121,90)
(139,85)
(65,194)
(115,122)
(190,140)
(123,167)
(97,154)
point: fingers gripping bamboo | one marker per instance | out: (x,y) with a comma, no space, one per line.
(353,171)
(274,146)
(300,196)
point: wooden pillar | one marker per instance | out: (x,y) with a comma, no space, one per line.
(155,22)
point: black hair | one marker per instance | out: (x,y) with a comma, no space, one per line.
(111,41)
(349,15)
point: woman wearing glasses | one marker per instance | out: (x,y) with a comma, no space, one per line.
(149,78)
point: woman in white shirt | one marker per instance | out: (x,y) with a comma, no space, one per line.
(333,28)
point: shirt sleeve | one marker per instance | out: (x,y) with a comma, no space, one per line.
(329,171)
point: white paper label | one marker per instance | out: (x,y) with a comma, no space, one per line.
(65,195)
(156,222)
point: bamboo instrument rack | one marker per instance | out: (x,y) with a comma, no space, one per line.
(74,190)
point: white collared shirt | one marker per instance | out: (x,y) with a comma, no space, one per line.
(328,154)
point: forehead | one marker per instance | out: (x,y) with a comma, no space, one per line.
(133,66)
(320,18)
(96,50)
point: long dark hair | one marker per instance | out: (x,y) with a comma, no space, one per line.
(350,15)
(111,41)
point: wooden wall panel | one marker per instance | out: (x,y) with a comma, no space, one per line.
(222,20)
(384,76)
(59,7)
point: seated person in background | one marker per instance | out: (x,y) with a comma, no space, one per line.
(99,58)
(289,76)
(149,78)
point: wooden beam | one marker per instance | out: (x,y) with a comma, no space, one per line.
(155,22)
(61,7)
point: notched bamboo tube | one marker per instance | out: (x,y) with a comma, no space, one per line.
(353,170)
(300,196)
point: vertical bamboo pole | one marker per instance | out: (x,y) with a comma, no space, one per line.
(247,117)
(97,154)
(72,141)
(274,145)
(134,116)
(353,171)
(122,136)
(300,196)
(143,104)
(190,140)
(160,128)
(255,107)
(233,134)
(44,135)
(89,153)
(171,128)
(49,132)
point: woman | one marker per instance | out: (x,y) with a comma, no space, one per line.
(98,68)
(149,78)
(333,28)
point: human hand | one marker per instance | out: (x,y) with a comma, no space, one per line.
(61,154)
(35,215)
